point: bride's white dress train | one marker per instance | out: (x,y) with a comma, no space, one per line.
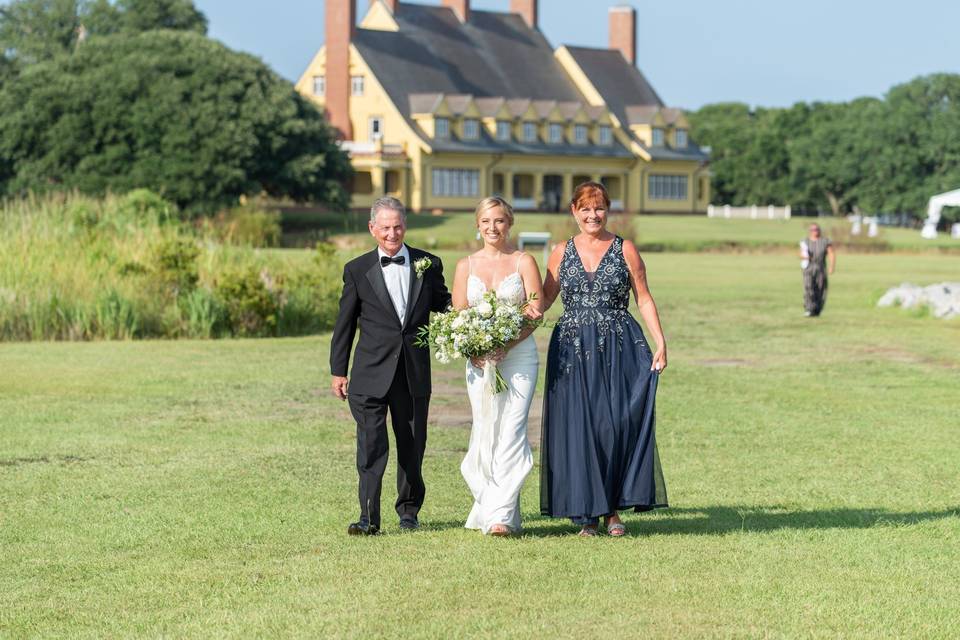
(499,457)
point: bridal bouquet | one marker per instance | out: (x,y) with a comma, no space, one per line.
(475,332)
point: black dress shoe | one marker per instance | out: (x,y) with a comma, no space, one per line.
(362,528)
(409,523)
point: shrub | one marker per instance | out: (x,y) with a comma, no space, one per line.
(250,298)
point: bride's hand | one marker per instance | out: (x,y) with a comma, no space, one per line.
(532,313)
(498,355)
(659,360)
(477,362)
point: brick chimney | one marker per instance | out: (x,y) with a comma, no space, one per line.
(623,32)
(460,7)
(341,20)
(527,9)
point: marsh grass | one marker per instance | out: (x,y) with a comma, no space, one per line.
(121,267)
(202,488)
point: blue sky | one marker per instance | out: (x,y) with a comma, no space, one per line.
(762,52)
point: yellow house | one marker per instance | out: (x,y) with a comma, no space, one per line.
(443,105)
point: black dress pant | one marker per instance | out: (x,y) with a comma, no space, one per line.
(409,417)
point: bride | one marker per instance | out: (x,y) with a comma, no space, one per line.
(499,457)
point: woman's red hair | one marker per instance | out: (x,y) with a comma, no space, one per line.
(590,193)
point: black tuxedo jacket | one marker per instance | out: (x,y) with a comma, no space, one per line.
(384,342)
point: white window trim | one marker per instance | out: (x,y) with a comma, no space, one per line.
(682,138)
(605,135)
(657,137)
(357,86)
(379,134)
(581,129)
(321,82)
(503,127)
(527,128)
(474,124)
(455,183)
(671,187)
(442,132)
(557,129)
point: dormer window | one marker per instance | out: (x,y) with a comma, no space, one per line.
(356,86)
(529,132)
(471,129)
(503,130)
(681,138)
(580,134)
(658,137)
(556,133)
(443,128)
(606,135)
(319,86)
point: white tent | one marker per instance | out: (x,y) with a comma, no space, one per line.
(934,208)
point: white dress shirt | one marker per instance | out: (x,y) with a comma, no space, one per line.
(397,278)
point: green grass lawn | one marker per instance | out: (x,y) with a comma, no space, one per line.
(653,232)
(202,489)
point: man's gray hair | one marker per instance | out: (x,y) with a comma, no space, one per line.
(387,203)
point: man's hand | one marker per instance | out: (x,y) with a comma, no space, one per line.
(339,385)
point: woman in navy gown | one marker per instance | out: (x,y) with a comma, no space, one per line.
(599,450)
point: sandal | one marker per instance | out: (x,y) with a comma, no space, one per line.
(499,530)
(588,531)
(617,530)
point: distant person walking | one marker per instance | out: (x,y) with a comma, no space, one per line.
(814,252)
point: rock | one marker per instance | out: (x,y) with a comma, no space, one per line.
(942,298)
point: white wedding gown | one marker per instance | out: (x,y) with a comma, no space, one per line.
(499,457)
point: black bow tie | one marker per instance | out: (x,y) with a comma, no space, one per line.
(385,260)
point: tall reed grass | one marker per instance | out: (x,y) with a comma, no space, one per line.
(122,267)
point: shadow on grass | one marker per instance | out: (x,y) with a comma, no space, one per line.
(722,520)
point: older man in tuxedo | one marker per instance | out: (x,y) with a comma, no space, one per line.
(388,294)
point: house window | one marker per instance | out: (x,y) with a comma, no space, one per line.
(443,128)
(658,137)
(376,128)
(456,183)
(471,129)
(319,86)
(606,135)
(681,138)
(529,132)
(580,133)
(356,85)
(556,133)
(663,187)
(503,130)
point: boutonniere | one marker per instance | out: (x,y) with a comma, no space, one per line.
(421,266)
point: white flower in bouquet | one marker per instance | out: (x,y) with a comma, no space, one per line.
(475,332)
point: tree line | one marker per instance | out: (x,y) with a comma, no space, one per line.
(99,96)
(875,155)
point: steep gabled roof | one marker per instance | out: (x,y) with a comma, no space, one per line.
(620,83)
(630,97)
(493,54)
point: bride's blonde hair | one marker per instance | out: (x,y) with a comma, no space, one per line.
(494,201)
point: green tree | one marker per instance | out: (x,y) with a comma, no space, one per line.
(171,111)
(32,31)
(35,30)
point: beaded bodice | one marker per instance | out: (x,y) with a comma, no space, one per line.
(600,299)
(607,288)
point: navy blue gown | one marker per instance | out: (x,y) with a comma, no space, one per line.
(598,450)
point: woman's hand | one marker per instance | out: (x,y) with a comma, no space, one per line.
(659,360)
(531,312)
(494,356)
